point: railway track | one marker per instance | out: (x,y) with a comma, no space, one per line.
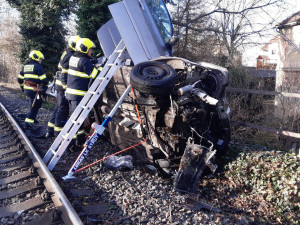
(99,195)
(29,194)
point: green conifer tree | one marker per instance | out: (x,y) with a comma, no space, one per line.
(92,14)
(42,29)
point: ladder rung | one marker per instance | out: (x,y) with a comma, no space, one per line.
(84,107)
(89,100)
(53,152)
(65,136)
(93,93)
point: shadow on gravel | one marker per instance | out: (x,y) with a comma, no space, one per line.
(38,132)
(231,155)
(216,189)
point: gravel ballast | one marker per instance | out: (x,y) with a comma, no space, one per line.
(138,196)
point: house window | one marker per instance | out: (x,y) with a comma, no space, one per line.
(273,51)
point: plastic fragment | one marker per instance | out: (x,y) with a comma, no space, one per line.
(20,212)
(119,162)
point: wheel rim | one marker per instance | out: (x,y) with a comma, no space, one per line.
(153,73)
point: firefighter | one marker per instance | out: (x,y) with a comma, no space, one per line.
(61,111)
(81,72)
(33,82)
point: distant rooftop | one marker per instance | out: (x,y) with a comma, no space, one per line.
(263,57)
(273,40)
(293,20)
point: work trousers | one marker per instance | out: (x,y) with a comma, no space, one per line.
(80,136)
(51,122)
(60,114)
(33,110)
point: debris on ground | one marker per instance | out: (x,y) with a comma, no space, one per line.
(118,162)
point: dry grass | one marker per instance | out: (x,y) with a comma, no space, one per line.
(258,109)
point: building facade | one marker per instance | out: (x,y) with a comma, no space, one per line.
(288,68)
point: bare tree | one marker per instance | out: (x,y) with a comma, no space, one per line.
(232,24)
(9,42)
(241,22)
(195,42)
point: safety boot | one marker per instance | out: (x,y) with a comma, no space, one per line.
(74,147)
(28,126)
(80,140)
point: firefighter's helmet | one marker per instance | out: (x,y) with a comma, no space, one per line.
(84,45)
(72,42)
(36,55)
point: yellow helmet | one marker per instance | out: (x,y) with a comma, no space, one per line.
(72,42)
(36,55)
(84,45)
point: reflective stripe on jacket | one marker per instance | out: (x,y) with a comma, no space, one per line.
(63,66)
(80,72)
(34,73)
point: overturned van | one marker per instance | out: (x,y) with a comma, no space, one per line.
(181,108)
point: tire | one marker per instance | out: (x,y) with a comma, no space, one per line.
(214,84)
(153,77)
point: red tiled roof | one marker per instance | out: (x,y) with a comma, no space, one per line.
(273,40)
(262,57)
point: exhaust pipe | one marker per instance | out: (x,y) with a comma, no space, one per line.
(201,94)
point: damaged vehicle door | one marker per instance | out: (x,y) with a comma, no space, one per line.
(183,112)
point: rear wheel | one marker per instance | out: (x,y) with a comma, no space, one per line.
(214,84)
(153,77)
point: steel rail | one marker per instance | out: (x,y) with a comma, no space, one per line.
(68,208)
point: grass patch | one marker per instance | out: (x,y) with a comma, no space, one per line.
(48,105)
(259,184)
(272,178)
(22,95)
(260,138)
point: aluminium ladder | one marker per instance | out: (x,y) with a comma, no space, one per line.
(98,131)
(87,103)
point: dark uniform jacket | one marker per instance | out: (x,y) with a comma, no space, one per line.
(63,66)
(32,74)
(80,72)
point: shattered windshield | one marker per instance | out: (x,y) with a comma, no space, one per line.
(162,18)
